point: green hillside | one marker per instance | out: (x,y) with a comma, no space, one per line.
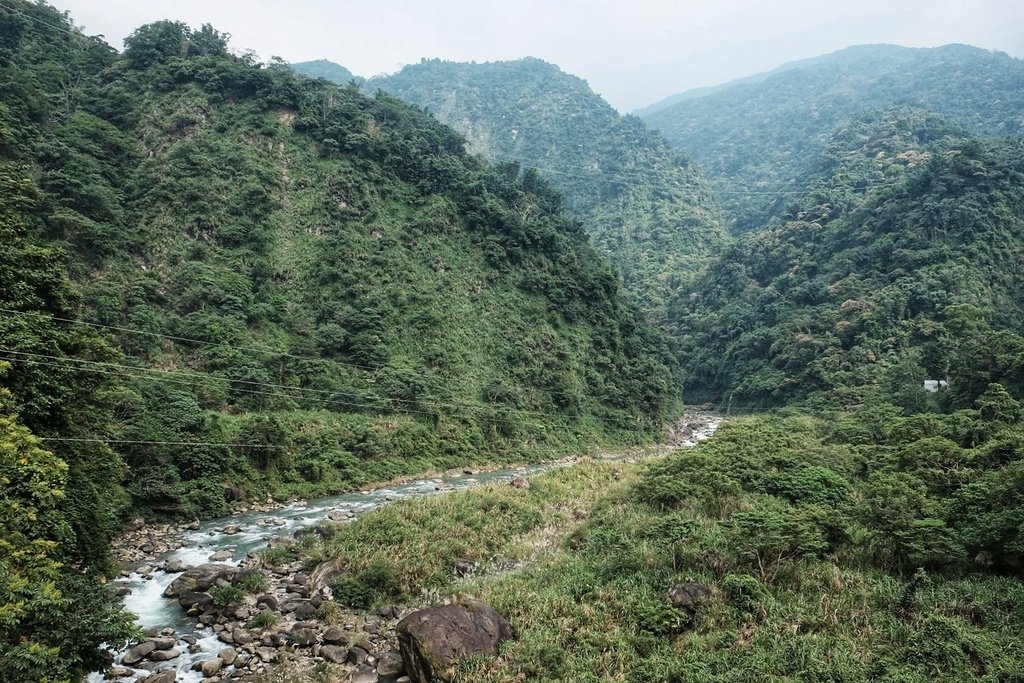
(899,265)
(644,206)
(223,280)
(755,140)
(327,70)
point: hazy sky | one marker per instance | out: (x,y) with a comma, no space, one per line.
(633,52)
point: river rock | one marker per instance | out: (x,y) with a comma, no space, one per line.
(211,666)
(174,565)
(138,653)
(267,654)
(198,579)
(166,676)
(305,611)
(390,664)
(163,643)
(434,640)
(337,636)
(222,555)
(228,655)
(334,653)
(303,636)
(520,483)
(241,637)
(267,600)
(164,655)
(201,600)
(357,655)
(364,674)
(231,529)
(689,596)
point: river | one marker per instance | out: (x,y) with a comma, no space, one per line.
(256,529)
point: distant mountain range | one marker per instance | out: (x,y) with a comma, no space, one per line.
(756,136)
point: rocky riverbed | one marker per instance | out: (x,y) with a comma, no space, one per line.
(216,608)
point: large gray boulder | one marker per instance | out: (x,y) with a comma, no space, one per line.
(199,579)
(434,640)
(689,597)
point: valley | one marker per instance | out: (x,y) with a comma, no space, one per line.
(306,376)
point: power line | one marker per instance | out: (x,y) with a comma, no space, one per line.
(187,340)
(129,370)
(65,29)
(160,443)
(440,404)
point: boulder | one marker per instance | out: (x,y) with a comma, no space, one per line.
(222,556)
(304,611)
(390,664)
(228,655)
(164,655)
(201,600)
(138,653)
(165,676)
(174,565)
(520,483)
(334,653)
(210,667)
(364,674)
(434,640)
(303,636)
(231,529)
(163,642)
(689,596)
(198,579)
(337,636)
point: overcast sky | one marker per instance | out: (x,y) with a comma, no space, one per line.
(633,52)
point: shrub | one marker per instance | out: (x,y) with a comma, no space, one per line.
(226,595)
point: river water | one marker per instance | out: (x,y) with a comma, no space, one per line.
(258,528)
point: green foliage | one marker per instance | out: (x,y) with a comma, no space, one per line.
(645,207)
(756,137)
(884,275)
(253,582)
(52,620)
(227,595)
(265,619)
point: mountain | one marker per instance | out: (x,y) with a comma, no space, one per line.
(327,70)
(899,264)
(644,205)
(755,140)
(221,280)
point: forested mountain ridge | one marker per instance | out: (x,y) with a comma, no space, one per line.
(644,205)
(757,139)
(899,264)
(221,279)
(326,69)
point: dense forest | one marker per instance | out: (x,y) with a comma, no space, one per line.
(327,70)
(223,280)
(645,206)
(898,265)
(757,137)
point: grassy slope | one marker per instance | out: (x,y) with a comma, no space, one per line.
(811,553)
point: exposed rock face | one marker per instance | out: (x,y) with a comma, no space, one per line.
(433,640)
(198,579)
(689,596)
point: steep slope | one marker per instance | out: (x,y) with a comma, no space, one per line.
(364,297)
(900,265)
(327,70)
(644,206)
(756,140)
